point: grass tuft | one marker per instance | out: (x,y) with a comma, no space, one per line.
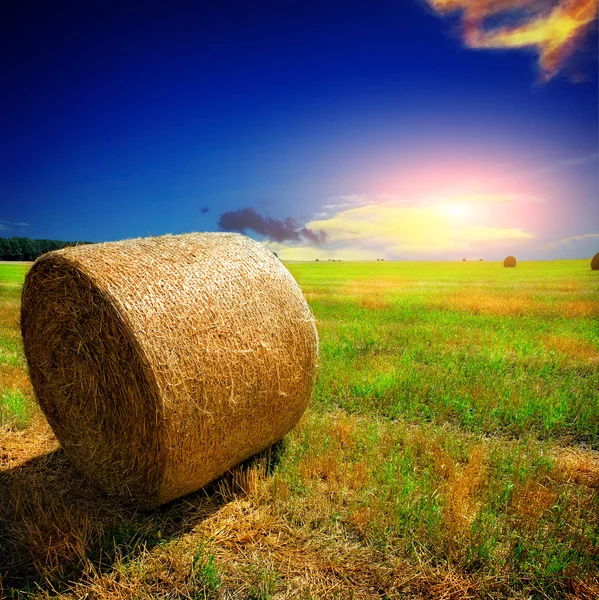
(205,574)
(15,409)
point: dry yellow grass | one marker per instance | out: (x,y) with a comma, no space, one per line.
(259,532)
(532,501)
(461,505)
(377,294)
(578,466)
(580,308)
(476,301)
(572,348)
(18,447)
(9,316)
(13,377)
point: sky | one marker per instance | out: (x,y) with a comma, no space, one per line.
(395,129)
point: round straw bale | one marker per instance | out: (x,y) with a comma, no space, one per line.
(595,262)
(510,261)
(161,363)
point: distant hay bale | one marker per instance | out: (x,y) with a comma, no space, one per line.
(595,262)
(510,261)
(161,363)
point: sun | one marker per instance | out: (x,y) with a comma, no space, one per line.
(457,211)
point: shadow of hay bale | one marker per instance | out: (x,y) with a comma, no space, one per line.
(56,527)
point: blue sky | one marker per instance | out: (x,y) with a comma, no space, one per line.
(401,129)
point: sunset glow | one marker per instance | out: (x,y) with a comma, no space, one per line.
(392,230)
(406,130)
(457,211)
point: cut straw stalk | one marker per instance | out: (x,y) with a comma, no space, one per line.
(161,363)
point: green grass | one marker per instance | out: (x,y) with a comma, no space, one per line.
(451,450)
(11,281)
(12,274)
(206,574)
(492,350)
(15,402)
(15,409)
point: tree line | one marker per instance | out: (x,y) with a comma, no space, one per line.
(19,248)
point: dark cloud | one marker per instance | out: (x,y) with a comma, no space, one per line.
(286,230)
(315,237)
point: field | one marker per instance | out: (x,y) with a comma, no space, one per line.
(451,451)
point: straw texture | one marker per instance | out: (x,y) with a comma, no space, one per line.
(595,262)
(161,363)
(510,261)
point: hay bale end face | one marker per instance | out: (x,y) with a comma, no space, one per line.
(510,261)
(595,262)
(161,363)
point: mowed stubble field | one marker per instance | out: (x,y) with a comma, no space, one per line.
(451,451)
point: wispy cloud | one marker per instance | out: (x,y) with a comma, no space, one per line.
(10,225)
(395,230)
(583,160)
(554,28)
(568,240)
(348,200)
(568,163)
(337,203)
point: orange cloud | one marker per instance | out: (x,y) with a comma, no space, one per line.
(552,28)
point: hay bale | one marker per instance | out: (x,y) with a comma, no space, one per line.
(161,363)
(595,262)
(510,261)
